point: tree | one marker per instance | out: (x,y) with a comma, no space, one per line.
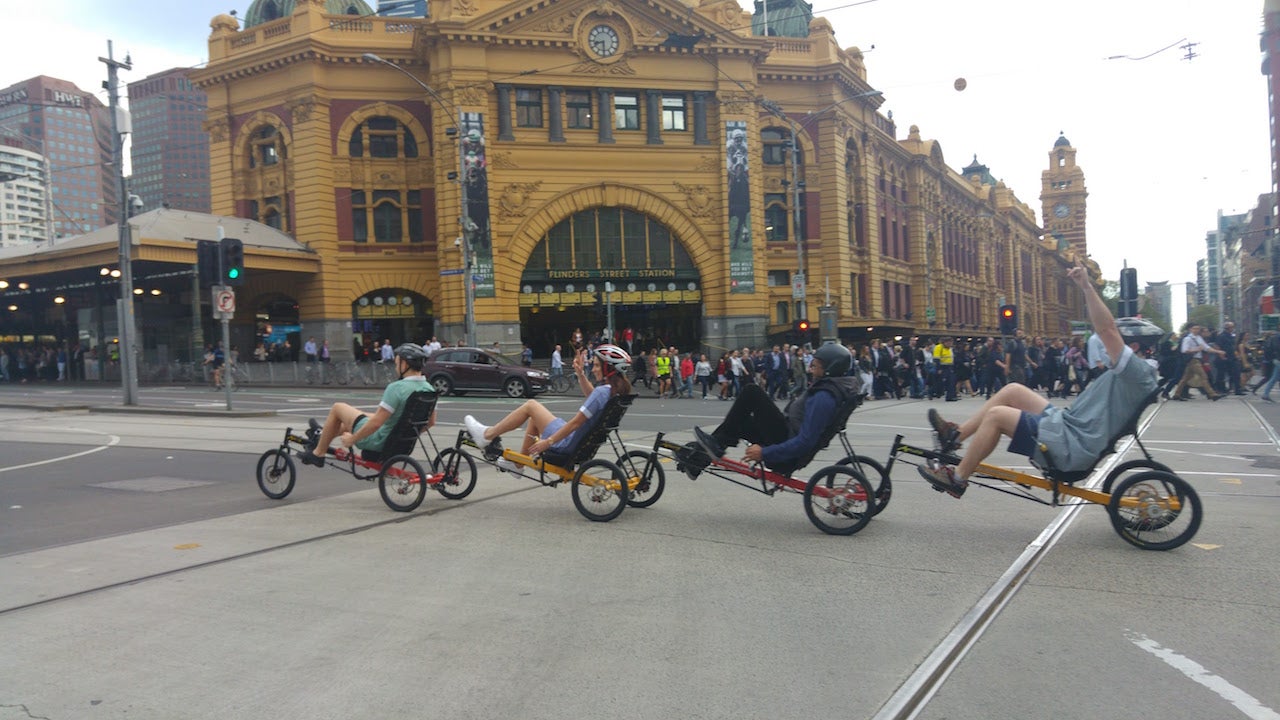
(1149,311)
(1111,296)
(1206,315)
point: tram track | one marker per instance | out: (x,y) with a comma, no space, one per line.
(398,518)
(914,694)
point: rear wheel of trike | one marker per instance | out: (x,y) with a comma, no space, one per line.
(839,500)
(402,482)
(276,473)
(1139,465)
(599,490)
(647,467)
(459,470)
(875,473)
(1155,510)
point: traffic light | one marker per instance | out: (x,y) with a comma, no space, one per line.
(1008,319)
(207,262)
(801,331)
(1128,305)
(232,261)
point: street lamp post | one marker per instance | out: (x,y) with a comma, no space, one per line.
(128,360)
(464,214)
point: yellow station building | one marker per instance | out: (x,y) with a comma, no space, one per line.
(694,166)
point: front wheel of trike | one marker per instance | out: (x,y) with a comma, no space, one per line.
(459,471)
(600,490)
(839,500)
(276,473)
(1155,510)
(402,482)
(651,477)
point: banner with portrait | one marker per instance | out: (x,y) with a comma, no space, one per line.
(742,272)
(475,176)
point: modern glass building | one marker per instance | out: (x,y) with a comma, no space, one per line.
(24,192)
(170,149)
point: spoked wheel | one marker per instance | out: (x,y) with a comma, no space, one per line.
(839,500)
(276,473)
(606,496)
(653,478)
(1132,466)
(402,482)
(459,471)
(1155,510)
(873,471)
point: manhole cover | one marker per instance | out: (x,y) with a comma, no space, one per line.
(152,484)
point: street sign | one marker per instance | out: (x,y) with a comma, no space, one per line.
(797,287)
(930,314)
(224,302)
(457,271)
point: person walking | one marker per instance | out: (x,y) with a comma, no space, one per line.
(944,356)
(1193,349)
(1270,364)
(703,372)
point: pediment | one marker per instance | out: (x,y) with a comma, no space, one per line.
(650,24)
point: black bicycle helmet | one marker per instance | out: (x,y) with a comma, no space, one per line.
(835,359)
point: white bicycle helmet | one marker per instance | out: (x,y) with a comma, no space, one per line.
(614,359)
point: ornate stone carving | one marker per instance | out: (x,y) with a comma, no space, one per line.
(622,67)
(515,198)
(560,24)
(773,184)
(708,163)
(502,161)
(474,95)
(219,130)
(728,14)
(732,103)
(300,110)
(699,199)
(342,172)
(465,8)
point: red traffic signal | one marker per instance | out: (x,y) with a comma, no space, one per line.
(802,325)
(1008,319)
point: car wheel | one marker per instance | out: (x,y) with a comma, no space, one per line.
(515,387)
(442,384)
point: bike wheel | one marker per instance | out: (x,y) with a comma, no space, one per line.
(872,470)
(276,473)
(402,483)
(1131,465)
(342,374)
(839,500)
(1155,510)
(605,496)
(459,471)
(653,479)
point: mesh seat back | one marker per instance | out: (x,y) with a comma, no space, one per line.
(1130,427)
(592,434)
(838,422)
(404,436)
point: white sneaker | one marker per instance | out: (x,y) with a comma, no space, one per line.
(476,430)
(507,465)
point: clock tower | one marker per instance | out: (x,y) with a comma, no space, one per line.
(1062,199)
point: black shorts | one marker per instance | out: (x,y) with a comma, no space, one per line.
(355,424)
(1024,437)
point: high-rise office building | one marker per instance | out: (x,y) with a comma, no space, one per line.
(24,194)
(170,149)
(71,128)
(402,8)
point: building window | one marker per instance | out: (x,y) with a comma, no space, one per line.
(782,312)
(779,278)
(387,216)
(775,145)
(609,238)
(776,218)
(578,103)
(528,107)
(383,137)
(626,111)
(266,147)
(674,112)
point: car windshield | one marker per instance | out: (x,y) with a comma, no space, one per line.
(499,358)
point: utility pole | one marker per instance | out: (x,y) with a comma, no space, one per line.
(128,334)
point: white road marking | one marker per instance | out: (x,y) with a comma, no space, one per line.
(114,439)
(1244,702)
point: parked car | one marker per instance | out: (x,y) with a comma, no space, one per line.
(459,371)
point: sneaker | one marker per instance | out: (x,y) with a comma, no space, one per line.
(691,460)
(709,443)
(948,432)
(506,465)
(1266,399)
(475,430)
(943,479)
(310,458)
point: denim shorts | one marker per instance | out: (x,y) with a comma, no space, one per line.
(1024,437)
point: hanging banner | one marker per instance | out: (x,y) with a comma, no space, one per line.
(742,271)
(476,177)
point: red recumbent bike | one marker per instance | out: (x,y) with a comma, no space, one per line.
(402,481)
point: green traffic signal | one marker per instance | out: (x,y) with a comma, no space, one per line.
(233,273)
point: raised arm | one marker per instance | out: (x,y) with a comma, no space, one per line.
(1099,316)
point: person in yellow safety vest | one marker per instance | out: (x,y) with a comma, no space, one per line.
(662,364)
(945,357)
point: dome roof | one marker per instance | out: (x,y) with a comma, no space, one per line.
(1062,141)
(261,11)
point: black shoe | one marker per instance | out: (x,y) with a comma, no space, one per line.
(709,443)
(310,458)
(948,432)
(1179,398)
(691,460)
(1216,398)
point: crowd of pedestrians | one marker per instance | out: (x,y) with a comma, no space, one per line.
(43,363)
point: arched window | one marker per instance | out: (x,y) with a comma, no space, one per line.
(777,219)
(385,215)
(777,146)
(383,137)
(267,147)
(610,238)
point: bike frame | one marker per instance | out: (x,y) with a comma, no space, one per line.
(560,474)
(338,457)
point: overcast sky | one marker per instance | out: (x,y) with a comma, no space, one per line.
(1165,143)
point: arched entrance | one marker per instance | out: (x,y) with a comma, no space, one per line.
(656,289)
(277,329)
(390,313)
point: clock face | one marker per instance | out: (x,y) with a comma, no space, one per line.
(603,40)
(1062,210)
